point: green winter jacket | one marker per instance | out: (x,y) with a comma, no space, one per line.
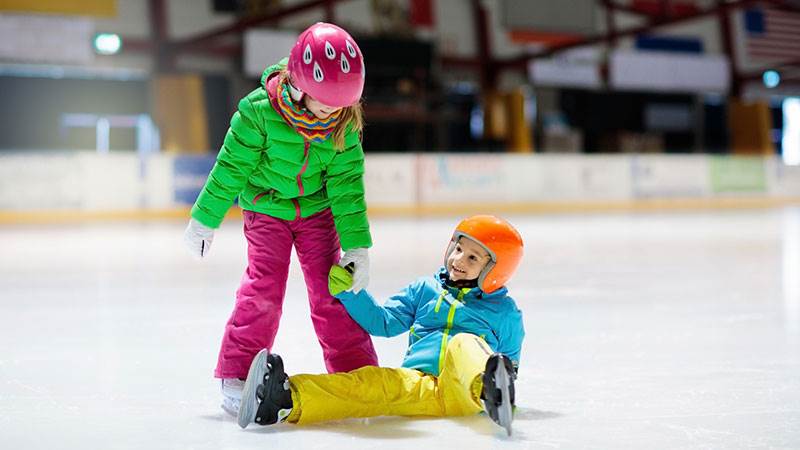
(275,171)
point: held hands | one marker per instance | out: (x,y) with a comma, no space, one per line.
(339,280)
(198,238)
(359,259)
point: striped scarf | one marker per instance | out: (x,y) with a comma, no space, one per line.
(307,124)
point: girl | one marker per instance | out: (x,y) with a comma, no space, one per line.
(293,156)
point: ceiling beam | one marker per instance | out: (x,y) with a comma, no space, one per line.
(521,62)
(205,37)
(614,6)
(204,43)
(786,5)
(782,65)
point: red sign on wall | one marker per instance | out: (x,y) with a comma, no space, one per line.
(421,13)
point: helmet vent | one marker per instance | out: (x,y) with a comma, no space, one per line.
(350,49)
(330,53)
(318,75)
(307,54)
(345,64)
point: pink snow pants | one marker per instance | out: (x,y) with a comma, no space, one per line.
(259,300)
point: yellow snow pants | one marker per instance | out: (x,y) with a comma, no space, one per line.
(379,391)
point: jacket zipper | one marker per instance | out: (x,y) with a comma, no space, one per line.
(300,188)
(451,314)
(439,301)
(258,197)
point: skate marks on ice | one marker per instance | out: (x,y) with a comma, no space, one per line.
(410,428)
(385,427)
(524,430)
(527,414)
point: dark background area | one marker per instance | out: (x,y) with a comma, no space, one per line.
(32,110)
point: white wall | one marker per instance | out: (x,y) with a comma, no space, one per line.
(133,20)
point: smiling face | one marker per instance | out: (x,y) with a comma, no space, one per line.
(320,110)
(467,260)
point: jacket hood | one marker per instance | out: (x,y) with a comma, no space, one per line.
(269,82)
(272,70)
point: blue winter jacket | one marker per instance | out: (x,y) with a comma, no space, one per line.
(432,312)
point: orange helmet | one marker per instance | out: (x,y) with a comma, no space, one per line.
(500,239)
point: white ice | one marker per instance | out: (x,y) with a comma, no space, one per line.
(644,330)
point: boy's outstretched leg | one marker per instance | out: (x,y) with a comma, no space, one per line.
(498,390)
(266,398)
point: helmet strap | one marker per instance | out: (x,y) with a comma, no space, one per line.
(461,284)
(296,94)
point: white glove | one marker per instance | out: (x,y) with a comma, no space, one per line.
(198,238)
(359,258)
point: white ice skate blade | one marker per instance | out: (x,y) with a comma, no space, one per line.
(255,376)
(504,412)
(229,408)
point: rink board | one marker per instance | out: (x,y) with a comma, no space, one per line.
(123,182)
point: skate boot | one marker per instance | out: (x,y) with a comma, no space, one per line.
(231,395)
(498,390)
(266,398)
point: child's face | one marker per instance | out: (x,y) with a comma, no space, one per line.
(466,260)
(320,110)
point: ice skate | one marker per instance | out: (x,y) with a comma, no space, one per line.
(249,403)
(231,395)
(498,390)
(266,398)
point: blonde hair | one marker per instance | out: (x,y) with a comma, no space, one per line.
(351,116)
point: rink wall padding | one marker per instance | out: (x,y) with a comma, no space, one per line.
(41,187)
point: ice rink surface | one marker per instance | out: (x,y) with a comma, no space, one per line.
(644,331)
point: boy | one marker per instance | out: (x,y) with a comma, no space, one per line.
(465,335)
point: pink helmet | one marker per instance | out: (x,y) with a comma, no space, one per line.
(326,64)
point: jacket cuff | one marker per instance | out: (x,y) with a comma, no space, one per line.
(360,240)
(205,218)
